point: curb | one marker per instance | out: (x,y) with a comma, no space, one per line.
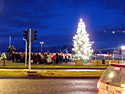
(50,74)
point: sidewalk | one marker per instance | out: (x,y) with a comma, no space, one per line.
(73,64)
(14,65)
(10,63)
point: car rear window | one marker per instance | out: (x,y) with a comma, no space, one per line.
(114,76)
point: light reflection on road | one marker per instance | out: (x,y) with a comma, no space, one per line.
(48,86)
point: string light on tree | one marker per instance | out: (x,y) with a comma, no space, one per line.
(82,46)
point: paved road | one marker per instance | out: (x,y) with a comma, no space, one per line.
(48,86)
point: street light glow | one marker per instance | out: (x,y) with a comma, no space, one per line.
(41,42)
(123,47)
(80,20)
(41,45)
(113,32)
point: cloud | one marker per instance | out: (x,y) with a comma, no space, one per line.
(28,14)
(13,34)
(62,29)
(112,4)
(109,39)
(21,20)
(55,39)
(108,27)
(29,24)
(32,13)
(79,3)
(1,4)
(108,35)
(3,30)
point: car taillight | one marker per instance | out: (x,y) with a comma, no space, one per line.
(123,92)
(98,84)
(117,68)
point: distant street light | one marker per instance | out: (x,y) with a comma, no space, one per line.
(118,31)
(41,45)
(123,47)
(113,32)
(122,52)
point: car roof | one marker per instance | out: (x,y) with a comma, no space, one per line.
(119,64)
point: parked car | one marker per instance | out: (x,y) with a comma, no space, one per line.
(112,80)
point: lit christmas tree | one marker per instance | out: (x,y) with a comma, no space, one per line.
(82,46)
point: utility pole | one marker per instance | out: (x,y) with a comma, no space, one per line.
(30,49)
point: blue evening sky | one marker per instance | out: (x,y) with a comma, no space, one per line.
(56,21)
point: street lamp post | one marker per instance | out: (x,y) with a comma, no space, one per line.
(25,52)
(41,45)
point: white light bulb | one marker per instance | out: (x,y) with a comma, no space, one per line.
(80,20)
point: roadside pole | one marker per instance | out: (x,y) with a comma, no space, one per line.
(30,49)
(26,53)
(3,61)
(122,57)
(95,56)
(9,41)
(41,48)
(113,56)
